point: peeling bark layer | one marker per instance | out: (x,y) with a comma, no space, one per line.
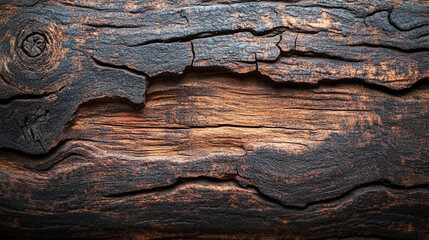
(282,119)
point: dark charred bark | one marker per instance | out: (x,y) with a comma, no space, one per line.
(277,119)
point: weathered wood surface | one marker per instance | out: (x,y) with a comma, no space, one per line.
(95,49)
(282,119)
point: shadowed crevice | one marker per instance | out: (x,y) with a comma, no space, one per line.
(213,181)
(119,67)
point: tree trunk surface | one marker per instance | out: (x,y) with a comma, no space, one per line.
(214,119)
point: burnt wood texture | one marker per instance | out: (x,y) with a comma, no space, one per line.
(214,119)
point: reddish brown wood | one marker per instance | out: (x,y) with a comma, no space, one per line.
(214,119)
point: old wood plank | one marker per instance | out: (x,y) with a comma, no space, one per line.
(278,119)
(99,49)
(336,160)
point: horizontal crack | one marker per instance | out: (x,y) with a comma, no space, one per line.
(120,67)
(24,97)
(177,183)
(106,25)
(30,97)
(222,126)
(371,45)
(264,196)
(321,83)
(269,33)
(312,54)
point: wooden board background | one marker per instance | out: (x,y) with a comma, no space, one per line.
(214,119)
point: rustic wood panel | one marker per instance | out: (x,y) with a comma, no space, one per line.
(91,51)
(206,154)
(214,119)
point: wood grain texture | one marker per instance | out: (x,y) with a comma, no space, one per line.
(205,156)
(98,49)
(262,119)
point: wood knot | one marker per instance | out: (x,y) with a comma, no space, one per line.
(37,46)
(34,55)
(34,44)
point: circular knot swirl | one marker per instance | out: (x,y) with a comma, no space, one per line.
(38,45)
(34,44)
(35,53)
